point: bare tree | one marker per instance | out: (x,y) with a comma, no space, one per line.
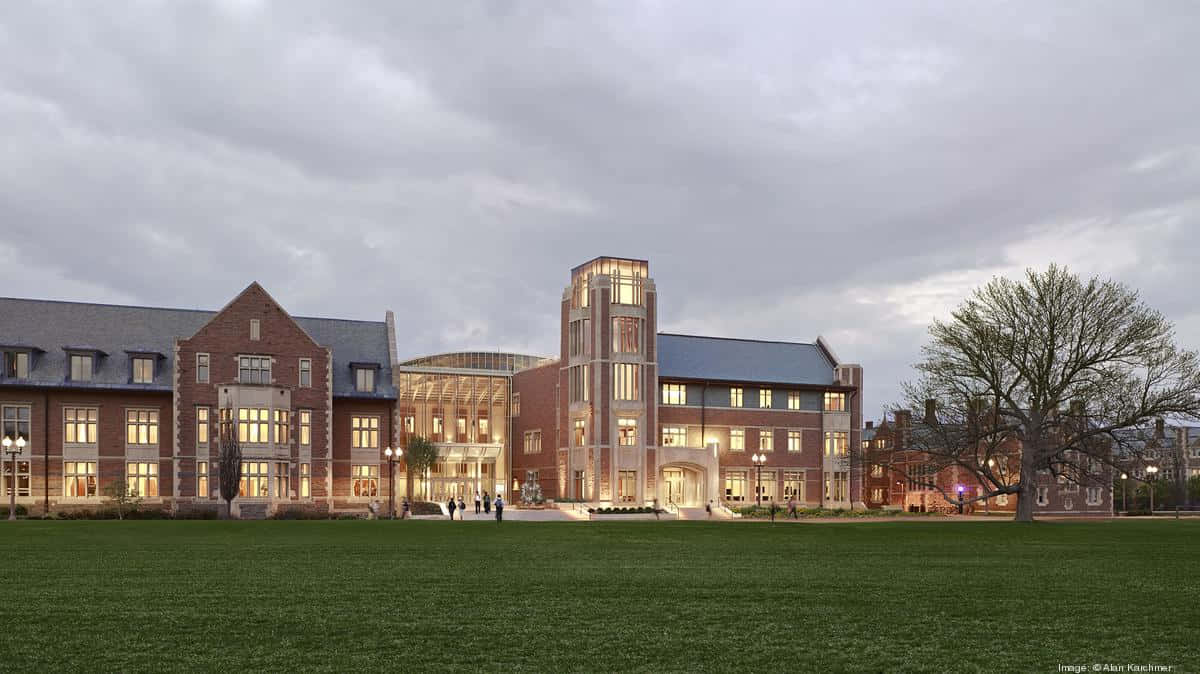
(123,496)
(1045,374)
(229,464)
(420,455)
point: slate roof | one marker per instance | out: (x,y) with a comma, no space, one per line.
(724,359)
(121,331)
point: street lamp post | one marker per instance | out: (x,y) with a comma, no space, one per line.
(960,499)
(758,460)
(13,449)
(1153,472)
(391,459)
(1124,481)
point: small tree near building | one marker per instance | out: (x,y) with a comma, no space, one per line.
(420,455)
(123,498)
(229,465)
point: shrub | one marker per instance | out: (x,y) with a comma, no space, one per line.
(22,511)
(423,508)
(299,514)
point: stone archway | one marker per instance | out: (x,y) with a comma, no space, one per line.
(683,484)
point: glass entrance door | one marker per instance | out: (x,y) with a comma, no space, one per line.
(673,486)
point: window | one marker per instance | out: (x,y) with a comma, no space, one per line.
(737,439)
(835,443)
(577,383)
(408,423)
(793,400)
(1002,500)
(877,470)
(1068,504)
(626,289)
(364,432)
(364,379)
(626,332)
(202,479)
(305,480)
(835,402)
(143,370)
(877,495)
(533,442)
(674,394)
(202,426)
(79,479)
(1043,496)
(766,440)
(627,432)
(141,479)
(516,404)
(255,329)
(765,486)
(282,470)
(674,436)
(255,481)
(305,428)
(22,480)
(202,368)
(79,425)
(254,370)
(793,485)
(626,485)
(365,481)
(577,337)
(764,398)
(16,365)
(840,482)
(485,434)
(577,439)
(81,368)
(254,425)
(460,429)
(1094,497)
(305,373)
(627,381)
(282,421)
(735,486)
(793,441)
(141,427)
(438,427)
(735,396)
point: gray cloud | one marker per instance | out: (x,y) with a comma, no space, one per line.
(789,169)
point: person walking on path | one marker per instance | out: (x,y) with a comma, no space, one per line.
(477,503)
(451,506)
(487,504)
(404,509)
(708,508)
(499,508)
(462,509)
(656,509)
(792,508)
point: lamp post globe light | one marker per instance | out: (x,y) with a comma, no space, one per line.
(758,460)
(1124,481)
(1152,471)
(392,457)
(13,449)
(960,499)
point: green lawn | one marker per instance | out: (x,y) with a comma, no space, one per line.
(682,596)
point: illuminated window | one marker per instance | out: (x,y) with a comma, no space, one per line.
(835,443)
(305,480)
(438,427)
(765,485)
(674,436)
(81,368)
(484,430)
(626,485)
(876,470)
(737,439)
(840,484)
(516,404)
(254,370)
(627,432)
(577,334)
(793,400)
(255,329)
(835,402)
(22,480)
(1043,496)
(282,477)
(364,379)
(79,425)
(202,426)
(364,432)
(202,479)
(766,440)
(408,423)
(627,381)
(674,394)
(79,479)
(626,333)
(283,419)
(16,365)
(365,482)
(255,482)
(141,479)
(460,429)
(1002,500)
(626,289)
(577,438)
(305,372)
(305,428)
(254,425)
(1094,496)
(735,486)
(579,293)
(828,487)
(764,398)
(15,419)
(143,370)
(793,485)
(735,396)
(877,495)
(202,368)
(533,442)
(793,441)
(141,427)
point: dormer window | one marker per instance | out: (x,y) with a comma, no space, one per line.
(364,380)
(82,367)
(143,370)
(16,364)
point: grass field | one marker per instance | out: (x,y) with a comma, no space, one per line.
(681,596)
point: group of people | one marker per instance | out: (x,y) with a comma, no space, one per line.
(485,501)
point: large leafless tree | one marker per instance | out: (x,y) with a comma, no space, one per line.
(1048,373)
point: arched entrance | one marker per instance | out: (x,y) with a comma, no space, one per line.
(682,484)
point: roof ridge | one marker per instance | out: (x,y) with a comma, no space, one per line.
(737,339)
(114,305)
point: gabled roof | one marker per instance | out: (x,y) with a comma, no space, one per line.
(748,360)
(121,331)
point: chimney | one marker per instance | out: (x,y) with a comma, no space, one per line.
(930,412)
(870,424)
(1159,429)
(903,418)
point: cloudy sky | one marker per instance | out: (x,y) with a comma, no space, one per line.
(789,169)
